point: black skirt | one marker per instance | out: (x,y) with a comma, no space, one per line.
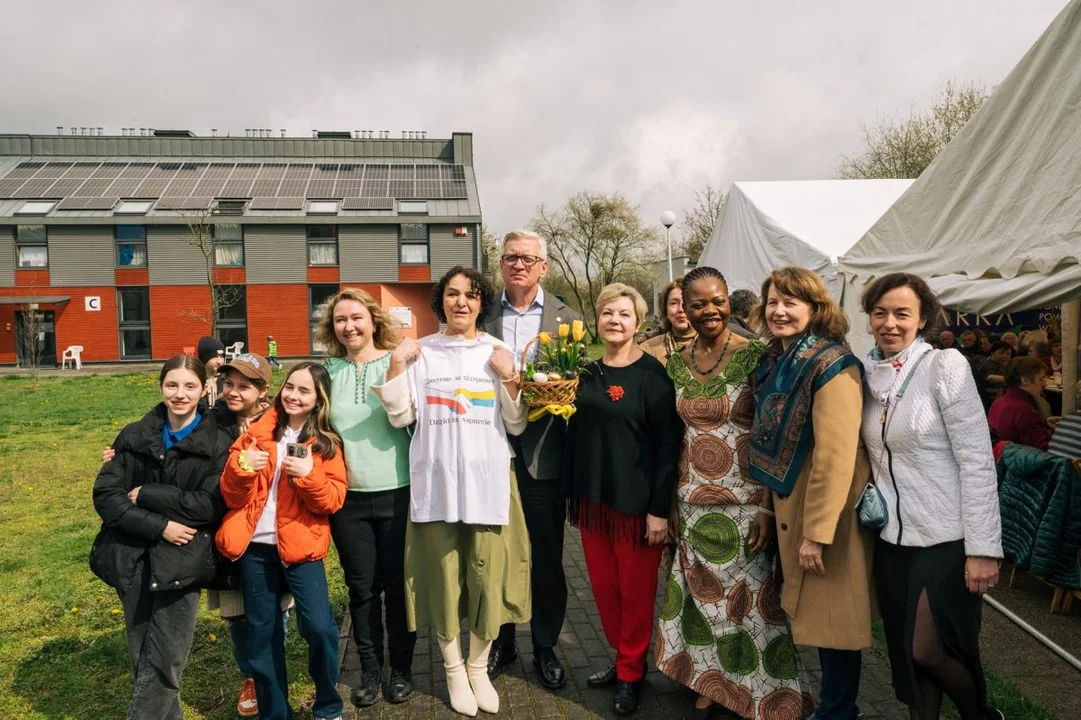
(901,574)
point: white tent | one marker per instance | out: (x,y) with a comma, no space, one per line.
(995,222)
(768,225)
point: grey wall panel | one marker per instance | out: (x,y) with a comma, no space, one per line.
(276,254)
(81,255)
(7,256)
(171,260)
(368,253)
(447,250)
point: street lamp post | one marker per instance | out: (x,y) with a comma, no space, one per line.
(668,219)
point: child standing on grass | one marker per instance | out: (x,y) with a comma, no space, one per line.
(284,478)
(159,503)
(272,351)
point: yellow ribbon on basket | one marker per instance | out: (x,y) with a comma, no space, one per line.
(563,411)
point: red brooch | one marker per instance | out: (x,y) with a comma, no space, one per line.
(615,393)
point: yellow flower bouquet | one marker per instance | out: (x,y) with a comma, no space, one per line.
(550,382)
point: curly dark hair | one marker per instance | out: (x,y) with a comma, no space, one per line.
(930,309)
(743,303)
(478,283)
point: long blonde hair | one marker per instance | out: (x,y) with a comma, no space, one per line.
(383,334)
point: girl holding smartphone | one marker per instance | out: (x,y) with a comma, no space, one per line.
(284,478)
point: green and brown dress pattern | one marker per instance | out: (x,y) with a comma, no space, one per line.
(722,631)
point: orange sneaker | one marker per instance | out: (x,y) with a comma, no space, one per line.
(247,705)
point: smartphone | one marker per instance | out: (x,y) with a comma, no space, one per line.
(299,450)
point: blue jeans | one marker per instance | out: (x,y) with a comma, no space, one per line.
(263,581)
(840,684)
(238,631)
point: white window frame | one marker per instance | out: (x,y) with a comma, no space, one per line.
(133,207)
(37,207)
(323,207)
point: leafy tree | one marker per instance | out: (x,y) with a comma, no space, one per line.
(904,149)
(701,220)
(593,240)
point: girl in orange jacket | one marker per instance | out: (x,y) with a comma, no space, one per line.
(284,477)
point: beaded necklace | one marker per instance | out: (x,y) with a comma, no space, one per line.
(694,363)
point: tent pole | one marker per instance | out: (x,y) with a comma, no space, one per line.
(1071,319)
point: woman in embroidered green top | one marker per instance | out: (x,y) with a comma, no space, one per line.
(722,631)
(369,530)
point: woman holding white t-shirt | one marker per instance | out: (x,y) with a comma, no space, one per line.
(467,550)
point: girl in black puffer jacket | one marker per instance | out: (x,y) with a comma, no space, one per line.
(160,503)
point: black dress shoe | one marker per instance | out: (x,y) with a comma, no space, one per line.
(399,688)
(605,678)
(626,699)
(366,693)
(499,657)
(552,674)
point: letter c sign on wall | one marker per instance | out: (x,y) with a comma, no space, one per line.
(93,303)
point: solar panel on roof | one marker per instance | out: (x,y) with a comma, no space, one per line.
(73,203)
(367,203)
(184,203)
(101,203)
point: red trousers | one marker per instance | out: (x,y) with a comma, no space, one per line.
(624,580)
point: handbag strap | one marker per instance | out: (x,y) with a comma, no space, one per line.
(888,416)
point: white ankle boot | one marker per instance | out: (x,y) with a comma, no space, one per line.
(483,690)
(462,699)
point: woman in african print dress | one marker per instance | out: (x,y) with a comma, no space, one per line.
(722,631)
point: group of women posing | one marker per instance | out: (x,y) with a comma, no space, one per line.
(724,455)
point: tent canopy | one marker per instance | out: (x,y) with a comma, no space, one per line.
(768,225)
(995,222)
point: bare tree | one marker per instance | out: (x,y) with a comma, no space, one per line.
(701,220)
(490,252)
(201,236)
(594,240)
(31,330)
(905,149)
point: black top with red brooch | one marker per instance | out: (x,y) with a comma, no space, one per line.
(622,447)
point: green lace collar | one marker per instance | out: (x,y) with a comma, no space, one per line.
(742,364)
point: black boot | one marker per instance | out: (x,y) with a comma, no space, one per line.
(626,699)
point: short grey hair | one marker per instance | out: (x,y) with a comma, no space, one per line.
(526,235)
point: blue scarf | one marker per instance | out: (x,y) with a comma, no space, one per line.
(785,385)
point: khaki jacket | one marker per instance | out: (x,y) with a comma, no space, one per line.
(835,610)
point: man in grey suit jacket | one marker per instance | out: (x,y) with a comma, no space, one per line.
(523,311)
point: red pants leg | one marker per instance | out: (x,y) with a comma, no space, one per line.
(638,566)
(604,578)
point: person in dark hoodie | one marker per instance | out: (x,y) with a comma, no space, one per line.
(211,353)
(159,502)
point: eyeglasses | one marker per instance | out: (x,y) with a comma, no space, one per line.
(527,260)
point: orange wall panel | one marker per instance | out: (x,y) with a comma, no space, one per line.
(418,298)
(322,275)
(179,316)
(95,330)
(132,276)
(31,278)
(230,276)
(414,273)
(281,311)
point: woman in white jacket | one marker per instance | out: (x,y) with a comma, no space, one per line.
(930,448)
(466,544)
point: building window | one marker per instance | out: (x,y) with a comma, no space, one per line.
(36,207)
(232,326)
(413,244)
(228,246)
(133,207)
(130,246)
(322,244)
(32,246)
(133,310)
(413,207)
(317,295)
(322,207)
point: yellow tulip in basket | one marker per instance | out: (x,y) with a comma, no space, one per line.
(550,381)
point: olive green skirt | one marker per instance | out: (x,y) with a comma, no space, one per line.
(477,572)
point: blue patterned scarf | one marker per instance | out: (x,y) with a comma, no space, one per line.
(785,385)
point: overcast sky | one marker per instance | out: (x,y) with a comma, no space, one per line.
(650,99)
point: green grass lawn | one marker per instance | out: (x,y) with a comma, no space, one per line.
(62,647)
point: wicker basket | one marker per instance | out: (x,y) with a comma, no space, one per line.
(553,392)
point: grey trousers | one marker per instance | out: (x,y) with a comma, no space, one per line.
(160,628)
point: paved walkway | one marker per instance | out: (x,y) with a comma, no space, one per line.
(584,651)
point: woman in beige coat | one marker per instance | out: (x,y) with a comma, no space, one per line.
(806,447)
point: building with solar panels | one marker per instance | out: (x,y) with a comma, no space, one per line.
(95,232)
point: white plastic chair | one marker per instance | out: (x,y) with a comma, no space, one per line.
(74,355)
(233,350)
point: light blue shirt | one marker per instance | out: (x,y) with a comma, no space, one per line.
(521,327)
